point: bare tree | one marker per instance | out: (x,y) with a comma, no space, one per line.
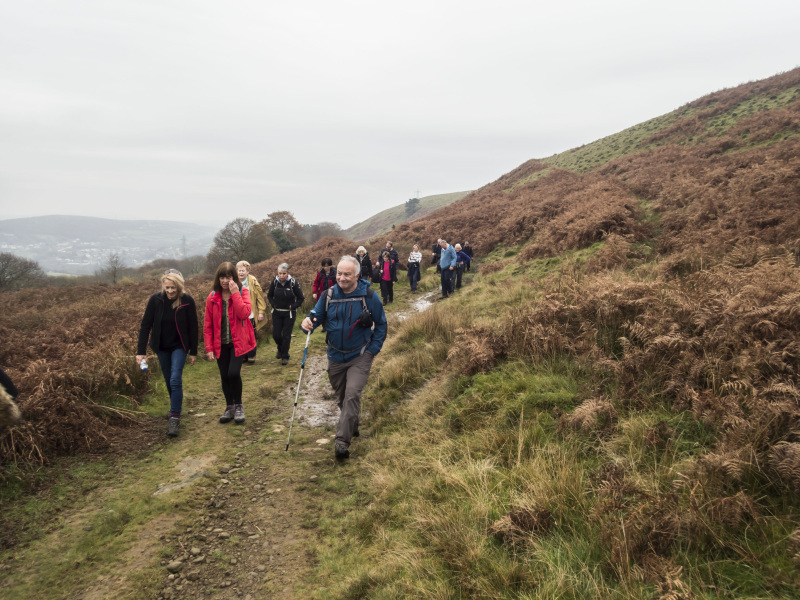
(17,272)
(112,269)
(283,220)
(241,239)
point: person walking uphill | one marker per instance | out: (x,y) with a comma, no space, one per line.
(462,258)
(356,324)
(285,297)
(387,269)
(326,277)
(258,305)
(448,264)
(414,265)
(228,336)
(170,321)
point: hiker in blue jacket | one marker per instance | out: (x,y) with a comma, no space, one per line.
(356,327)
(462,258)
(448,264)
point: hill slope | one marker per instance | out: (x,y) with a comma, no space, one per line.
(609,410)
(384,220)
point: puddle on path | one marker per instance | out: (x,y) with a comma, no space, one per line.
(316,406)
(418,304)
(190,468)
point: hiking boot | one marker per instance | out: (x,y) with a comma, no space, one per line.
(238,414)
(340,450)
(172,429)
(284,361)
(227,416)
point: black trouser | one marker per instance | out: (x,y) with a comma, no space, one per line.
(230,372)
(459,273)
(282,325)
(447,282)
(468,262)
(387,291)
(413,275)
(252,353)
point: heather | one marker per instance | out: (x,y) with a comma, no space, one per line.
(608,409)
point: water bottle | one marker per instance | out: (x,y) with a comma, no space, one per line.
(143,364)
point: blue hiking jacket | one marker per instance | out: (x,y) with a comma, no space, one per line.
(448,258)
(345,337)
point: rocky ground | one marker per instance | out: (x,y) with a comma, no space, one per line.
(252,538)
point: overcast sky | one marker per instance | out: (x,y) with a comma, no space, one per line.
(200,110)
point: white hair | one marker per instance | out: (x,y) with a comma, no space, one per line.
(283,267)
(354,260)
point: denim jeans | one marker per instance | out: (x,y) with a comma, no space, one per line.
(172,362)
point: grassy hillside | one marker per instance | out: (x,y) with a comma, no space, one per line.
(610,409)
(383,221)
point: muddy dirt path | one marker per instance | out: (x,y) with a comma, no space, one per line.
(221,511)
(251,537)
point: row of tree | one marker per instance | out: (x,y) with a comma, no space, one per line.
(241,239)
(254,241)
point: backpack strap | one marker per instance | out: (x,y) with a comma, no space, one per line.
(329,299)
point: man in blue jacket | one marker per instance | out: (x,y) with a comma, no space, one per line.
(448,264)
(356,328)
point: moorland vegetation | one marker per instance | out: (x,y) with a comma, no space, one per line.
(610,409)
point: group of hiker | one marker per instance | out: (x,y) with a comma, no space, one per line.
(346,307)
(235,309)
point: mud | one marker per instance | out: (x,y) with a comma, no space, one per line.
(190,469)
(418,304)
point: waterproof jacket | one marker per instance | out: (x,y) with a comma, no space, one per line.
(391,265)
(185,321)
(448,258)
(366,266)
(346,338)
(323,281)
(462,258)
(258,306)
(242,334)
(286,296)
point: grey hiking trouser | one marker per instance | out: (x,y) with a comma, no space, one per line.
(348,379)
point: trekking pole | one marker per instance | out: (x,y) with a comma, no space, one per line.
(302,366)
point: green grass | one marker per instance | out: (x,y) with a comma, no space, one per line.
(451,455)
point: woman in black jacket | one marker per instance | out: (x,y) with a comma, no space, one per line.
(170,320)
(285,297)
(387,270)
(366,263)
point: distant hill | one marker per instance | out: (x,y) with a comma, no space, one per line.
(383,221)
(79,245)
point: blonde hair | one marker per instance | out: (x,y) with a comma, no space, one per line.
(245,264)
(177,279)
(361,249)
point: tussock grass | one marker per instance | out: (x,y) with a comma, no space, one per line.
(582,434)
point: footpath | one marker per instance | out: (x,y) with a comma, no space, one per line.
(221,511)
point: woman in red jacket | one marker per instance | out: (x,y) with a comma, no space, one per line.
(228,336)
(326,277)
